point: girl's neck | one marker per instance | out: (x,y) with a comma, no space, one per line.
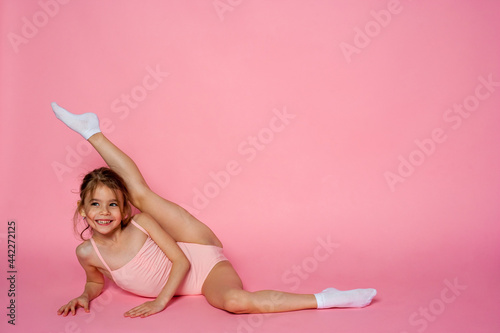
(108,239)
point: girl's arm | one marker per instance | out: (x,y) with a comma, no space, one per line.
(93,286)
(180,267)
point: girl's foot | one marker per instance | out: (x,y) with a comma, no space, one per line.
(334,298)
(86,124)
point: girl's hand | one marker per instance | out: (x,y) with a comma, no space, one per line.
(74,304)
(146,309)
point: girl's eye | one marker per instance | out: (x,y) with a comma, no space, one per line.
(94,204)
(114,205)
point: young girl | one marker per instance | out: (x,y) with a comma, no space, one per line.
(163,251)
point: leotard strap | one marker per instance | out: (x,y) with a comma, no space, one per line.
(139,227)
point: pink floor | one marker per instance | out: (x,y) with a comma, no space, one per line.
(423,292)
(350,144)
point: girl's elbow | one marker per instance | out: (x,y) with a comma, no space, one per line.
(187,264)
(182,261)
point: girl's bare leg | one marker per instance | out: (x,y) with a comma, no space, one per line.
(224,290)
(181,225)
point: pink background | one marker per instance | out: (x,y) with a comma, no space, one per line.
(361,82)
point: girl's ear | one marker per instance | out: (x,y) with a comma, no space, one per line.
(82,211)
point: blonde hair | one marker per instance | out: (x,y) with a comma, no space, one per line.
(109,178)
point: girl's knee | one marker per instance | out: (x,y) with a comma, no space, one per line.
(237,301)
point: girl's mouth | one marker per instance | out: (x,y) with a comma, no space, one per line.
(103,222)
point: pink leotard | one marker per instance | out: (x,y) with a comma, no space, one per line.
(147,273)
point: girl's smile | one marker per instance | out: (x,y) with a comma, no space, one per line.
(103,222)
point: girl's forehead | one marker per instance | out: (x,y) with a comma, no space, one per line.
(103,192)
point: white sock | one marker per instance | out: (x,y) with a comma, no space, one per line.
(86,124)
(334,298)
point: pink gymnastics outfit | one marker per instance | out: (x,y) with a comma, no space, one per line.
(147,273)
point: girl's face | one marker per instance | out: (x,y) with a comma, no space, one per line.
(103,209)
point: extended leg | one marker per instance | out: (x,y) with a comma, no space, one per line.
(181,225)
(223,289)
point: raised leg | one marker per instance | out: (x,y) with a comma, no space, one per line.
(179,223)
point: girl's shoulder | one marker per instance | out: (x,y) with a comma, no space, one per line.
(85,250)
(141,219)
(145,222)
